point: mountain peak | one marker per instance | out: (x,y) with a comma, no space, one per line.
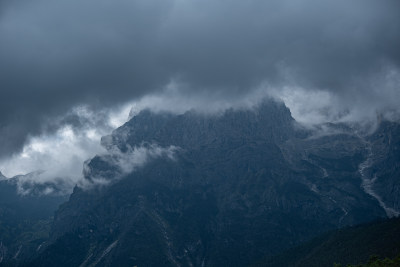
(238,180)
(269,119)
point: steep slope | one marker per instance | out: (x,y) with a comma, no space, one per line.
(25,221)
(384,170)
(234,187)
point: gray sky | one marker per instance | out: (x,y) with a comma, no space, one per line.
(327,58)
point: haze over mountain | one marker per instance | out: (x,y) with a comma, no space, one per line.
(220,190)
(193,133)
(328,61)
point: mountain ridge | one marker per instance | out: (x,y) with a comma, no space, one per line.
(242,184)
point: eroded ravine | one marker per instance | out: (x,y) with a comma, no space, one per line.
(368,181)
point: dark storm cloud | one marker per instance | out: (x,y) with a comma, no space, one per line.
(57,54)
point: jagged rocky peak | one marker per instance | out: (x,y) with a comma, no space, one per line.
(268,119)
(2,177)
(239,180)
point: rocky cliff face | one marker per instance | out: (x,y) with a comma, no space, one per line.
(234,188)
(24,221)
(384,171)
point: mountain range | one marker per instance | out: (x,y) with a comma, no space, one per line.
(225,189)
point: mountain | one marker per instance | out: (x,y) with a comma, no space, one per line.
(351,245)
(219,190)
(25,220)
(384,172)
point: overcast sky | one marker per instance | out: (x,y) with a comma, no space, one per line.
(328,60)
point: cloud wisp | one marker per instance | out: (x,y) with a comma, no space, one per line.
(119,163)
(58,156)
(56,162)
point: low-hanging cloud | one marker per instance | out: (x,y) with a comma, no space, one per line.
(55,159)
(123,163)
(57,54)
(55,162)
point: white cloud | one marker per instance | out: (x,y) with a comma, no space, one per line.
(174,100)
(57,161)
(123,163)
(138,156)
(59,155)
(315,107)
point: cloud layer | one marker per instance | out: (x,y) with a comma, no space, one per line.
(59,54)
(71,70)
(59,154)
(57,161)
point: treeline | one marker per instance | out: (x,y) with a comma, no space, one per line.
(375,261)
(346,247)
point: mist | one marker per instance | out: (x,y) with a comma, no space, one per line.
(327,61)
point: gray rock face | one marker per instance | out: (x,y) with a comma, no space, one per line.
(242,185)
(384,169)
(24,221)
